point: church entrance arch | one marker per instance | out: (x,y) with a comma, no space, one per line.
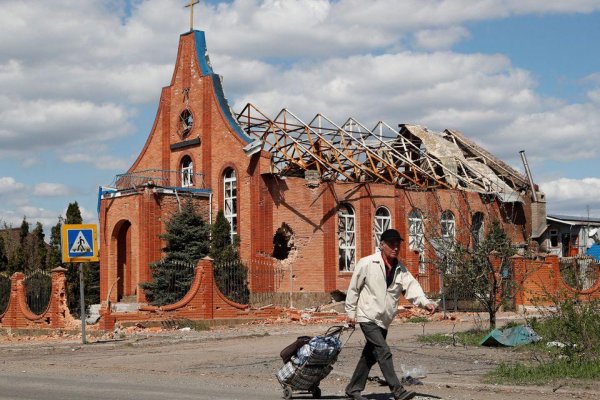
(122,240)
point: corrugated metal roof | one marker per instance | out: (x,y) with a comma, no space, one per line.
(573,220)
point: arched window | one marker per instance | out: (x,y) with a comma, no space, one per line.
(383,221)
(477,228)
(230,199)
(347,237)
(416,240)
(187,172)
(448,226)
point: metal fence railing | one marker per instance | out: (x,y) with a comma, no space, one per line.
(158,177)
(38,288)
(266,276)
(579,272)
(171,280)
(231,278)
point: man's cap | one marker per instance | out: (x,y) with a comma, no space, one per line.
(391,235)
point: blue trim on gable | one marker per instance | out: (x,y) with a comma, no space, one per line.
(216,79)
(206,69)
(202,53)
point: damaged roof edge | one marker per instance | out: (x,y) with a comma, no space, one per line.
(497,163)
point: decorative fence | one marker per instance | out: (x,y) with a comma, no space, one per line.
(231,278)
(580,272)
(38,287)
(171,281)
(38,300)
(265,278)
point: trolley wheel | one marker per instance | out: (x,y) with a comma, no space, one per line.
(316,392)
(287,393)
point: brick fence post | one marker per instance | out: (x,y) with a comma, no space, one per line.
(59,309)
(206,291)
(16,319)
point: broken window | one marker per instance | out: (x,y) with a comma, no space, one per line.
(553,238)
(187,172)
(383,222)
(448,226)
(282,242)
(230,200)
(347,237)
(415,231)
(186,122)
(422,268)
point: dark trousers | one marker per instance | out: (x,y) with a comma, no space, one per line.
(376,351)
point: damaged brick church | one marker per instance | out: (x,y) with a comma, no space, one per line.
(331,188)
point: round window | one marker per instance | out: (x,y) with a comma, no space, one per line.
(186,121)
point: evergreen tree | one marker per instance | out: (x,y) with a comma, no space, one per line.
(187,241)
(231,275)
(24,231)
(3,256)
(55,253)
(38,249)
(18,261)
(73,214)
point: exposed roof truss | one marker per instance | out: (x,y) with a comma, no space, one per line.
(412,157)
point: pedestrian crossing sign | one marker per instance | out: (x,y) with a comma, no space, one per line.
(79,243)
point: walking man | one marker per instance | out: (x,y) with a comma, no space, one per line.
(372,301)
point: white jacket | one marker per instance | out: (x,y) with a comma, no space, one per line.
(370,300)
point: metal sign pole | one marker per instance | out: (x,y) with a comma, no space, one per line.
(82,303)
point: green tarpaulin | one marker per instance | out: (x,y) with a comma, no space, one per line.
(511,337)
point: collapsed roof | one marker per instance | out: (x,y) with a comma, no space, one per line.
(412,157)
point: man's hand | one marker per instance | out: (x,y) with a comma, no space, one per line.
(431,308)
(351,322)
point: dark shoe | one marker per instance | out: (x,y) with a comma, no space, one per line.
(404,394)
(356,396)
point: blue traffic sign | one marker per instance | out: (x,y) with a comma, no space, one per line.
(79,243)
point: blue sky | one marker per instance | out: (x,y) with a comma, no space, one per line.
(81,82)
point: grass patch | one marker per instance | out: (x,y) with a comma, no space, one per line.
(417,320)
(470,338)
(520,374)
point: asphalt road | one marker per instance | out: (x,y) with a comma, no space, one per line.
(240,363)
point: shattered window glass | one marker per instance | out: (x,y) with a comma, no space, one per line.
(347,237)
(230,200)
(383,222)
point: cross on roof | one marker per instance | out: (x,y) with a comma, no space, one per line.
(191,6)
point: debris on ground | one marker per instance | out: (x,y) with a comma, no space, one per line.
(511,337)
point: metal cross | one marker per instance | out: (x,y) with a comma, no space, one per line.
(191,6)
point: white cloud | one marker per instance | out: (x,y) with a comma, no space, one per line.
(97,160)
(8,185)
(14,217)
(47,189)
(573,196)
(29,125)
(437,39)
(73,73)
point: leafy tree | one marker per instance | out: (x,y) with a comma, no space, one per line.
(231,275)
(187,241)
(473,272)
